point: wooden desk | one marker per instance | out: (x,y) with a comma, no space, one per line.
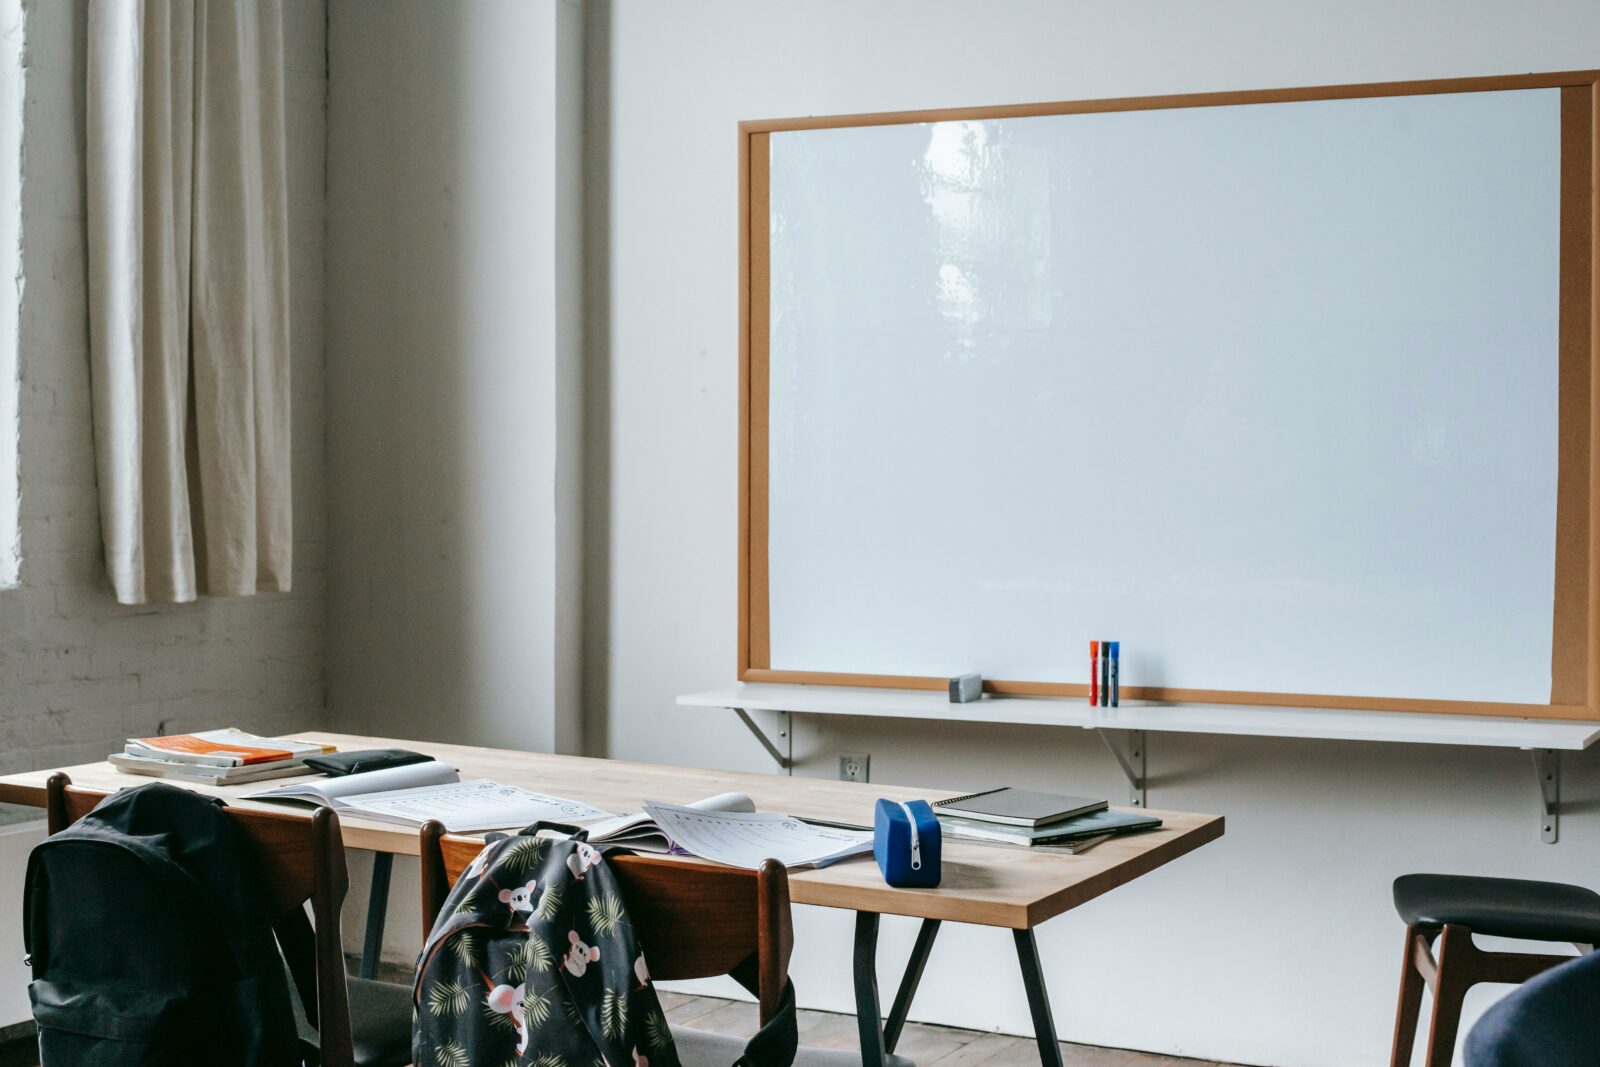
(987,885)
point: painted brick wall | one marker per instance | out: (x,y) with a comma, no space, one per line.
(78,672)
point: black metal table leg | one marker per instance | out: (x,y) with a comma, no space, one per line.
(1044,1026)
(377,909)
(868,1015)
(909,982)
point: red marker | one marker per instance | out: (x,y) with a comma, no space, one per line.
(1094,674)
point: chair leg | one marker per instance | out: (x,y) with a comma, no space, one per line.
(1409,1006)
(1449,990)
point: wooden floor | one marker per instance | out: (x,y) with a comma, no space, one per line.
(929,1046)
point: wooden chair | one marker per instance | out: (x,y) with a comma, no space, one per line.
(301,859)
(693,920)
(1449,909)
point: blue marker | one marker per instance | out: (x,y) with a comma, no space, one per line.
(1105,674)
(1116,669)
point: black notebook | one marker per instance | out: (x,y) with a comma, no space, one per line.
(1018,807)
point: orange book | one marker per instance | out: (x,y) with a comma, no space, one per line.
(225,748)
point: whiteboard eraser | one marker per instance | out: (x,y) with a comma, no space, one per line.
(965,688)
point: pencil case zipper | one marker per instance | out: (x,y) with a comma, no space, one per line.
(916,844)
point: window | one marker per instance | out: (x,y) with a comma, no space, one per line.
(10,279)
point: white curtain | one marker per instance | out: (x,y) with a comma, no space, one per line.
(188,296)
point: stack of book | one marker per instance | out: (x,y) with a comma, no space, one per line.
(216,757)
(1024,817)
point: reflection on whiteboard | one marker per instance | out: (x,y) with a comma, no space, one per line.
(1268,393)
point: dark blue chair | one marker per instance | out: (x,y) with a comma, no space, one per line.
(1553,1019)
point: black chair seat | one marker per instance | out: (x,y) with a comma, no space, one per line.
(1500,907)
(380,1022)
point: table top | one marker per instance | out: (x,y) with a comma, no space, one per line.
(1341,724)
(990,885)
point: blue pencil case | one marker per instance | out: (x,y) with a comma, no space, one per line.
(905,839)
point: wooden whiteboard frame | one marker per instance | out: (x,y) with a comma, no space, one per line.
(1575,625)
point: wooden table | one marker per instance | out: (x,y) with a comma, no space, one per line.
(988,885)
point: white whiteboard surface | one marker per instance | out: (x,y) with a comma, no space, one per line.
(1266,392)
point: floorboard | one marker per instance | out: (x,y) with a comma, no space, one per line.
(928,1045)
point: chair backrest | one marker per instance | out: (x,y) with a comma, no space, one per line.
(300,860)
(693,919)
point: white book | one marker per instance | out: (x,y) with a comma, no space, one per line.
(190,772)
(230,747)
(417,792)
(330,792)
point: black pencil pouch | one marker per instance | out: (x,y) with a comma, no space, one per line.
(339,764)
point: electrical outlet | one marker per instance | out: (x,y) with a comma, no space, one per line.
(853,766)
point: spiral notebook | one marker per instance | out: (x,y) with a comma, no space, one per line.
(1017,807)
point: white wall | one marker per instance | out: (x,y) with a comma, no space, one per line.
(16,841)
(454,370)
(78,672)
(1275,945)
(10,276)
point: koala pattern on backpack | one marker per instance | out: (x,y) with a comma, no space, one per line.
(532,962)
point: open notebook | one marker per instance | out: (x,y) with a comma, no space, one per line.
(641,832)
(413,794)
(727,829)
(748,838)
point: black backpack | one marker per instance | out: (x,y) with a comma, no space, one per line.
(533,962)
(150,943)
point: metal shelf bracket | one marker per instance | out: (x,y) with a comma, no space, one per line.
(783,757)
(1130,756)
(1547,766)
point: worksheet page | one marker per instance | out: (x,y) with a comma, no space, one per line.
(465,807)
(749,839)
(639,831)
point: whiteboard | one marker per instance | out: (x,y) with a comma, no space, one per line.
(1266,392)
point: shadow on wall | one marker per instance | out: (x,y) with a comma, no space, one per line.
(400,407)
(453,370)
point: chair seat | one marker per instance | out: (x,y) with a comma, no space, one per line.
(380,1022)
(1500,907)
(698,1048)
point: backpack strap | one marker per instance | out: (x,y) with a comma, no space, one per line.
(776,1043)
(298,943)
(577,833)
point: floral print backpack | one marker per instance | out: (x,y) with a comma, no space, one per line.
(532,963)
